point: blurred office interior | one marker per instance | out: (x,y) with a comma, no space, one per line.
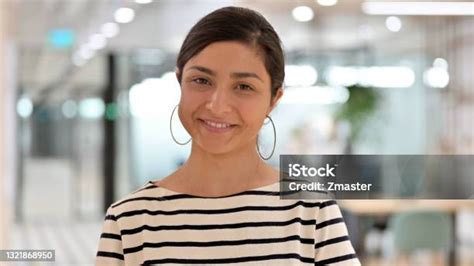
(87,88)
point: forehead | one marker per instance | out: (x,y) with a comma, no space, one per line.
(229,56)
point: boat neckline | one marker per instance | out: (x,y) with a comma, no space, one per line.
(152,182)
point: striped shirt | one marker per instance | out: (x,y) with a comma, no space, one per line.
(155,225)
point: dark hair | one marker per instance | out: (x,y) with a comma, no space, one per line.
(236,24)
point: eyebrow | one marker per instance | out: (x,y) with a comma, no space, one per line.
(233,75)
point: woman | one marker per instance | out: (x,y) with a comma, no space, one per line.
(222,205)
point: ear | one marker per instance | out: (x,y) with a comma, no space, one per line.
(276,99)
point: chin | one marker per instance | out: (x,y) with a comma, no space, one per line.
(214,148)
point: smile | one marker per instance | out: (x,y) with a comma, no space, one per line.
(216,127)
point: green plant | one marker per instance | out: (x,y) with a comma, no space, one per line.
(362,102)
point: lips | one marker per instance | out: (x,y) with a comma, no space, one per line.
(217,127)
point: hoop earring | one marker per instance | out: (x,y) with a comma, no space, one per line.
(171,128)
(274,141)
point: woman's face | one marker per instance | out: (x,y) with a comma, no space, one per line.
(225,97)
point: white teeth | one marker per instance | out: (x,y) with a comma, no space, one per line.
(217,125)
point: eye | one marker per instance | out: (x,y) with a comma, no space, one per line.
(245,87)
(201,81)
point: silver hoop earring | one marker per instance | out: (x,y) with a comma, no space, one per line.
(274,141)
(171,128)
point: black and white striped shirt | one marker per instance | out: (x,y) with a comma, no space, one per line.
(154,225)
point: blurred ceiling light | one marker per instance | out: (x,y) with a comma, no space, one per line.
(393,24)
(315,95)
(69,109)
(389,77)
(302,13)
(342,76)
(24,107)
(92,108)
(110,29)
(327,2)
(436,77)
(97,41)
(380,76)
(143,1)
(300,75)
(441,63)
(86,52)
(419,8)
(124,15)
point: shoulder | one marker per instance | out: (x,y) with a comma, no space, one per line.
(134,199)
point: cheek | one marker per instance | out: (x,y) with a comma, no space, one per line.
(185,110)
(191,98)
(188,103)
(253,116)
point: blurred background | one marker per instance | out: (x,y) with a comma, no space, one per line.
(87,88)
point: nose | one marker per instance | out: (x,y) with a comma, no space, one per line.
(218,102)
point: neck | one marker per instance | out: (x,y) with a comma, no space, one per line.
(215,174)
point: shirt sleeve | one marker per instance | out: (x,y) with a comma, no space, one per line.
(110,250)
(332,244)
